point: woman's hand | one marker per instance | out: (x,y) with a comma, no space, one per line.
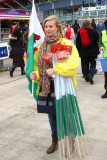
(33,76)
(50,72)
(25,54)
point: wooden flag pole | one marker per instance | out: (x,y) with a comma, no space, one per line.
(60,155)
(32,87)
(78,148)
(82,147)
(63,148)
(86,144)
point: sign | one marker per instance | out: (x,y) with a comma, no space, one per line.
(4,51)
(80,9)
(94,8)
(99,1)
(14,14)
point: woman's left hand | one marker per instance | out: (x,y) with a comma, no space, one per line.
(50,72)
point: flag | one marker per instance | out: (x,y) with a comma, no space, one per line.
(36,36)
(69,121)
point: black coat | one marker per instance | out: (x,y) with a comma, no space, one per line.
(17,52)
(93,49)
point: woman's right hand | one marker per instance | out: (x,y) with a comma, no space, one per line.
(33,76)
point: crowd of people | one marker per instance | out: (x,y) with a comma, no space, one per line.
(87,38)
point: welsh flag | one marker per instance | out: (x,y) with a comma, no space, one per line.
(36,36)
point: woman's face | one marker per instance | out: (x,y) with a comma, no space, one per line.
(69,26)
(50,28)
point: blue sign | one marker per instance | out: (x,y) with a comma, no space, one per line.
(99,1)
(3,52)
(13,12)
(80,9)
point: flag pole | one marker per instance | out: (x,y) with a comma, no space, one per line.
(32,87)
(79,117)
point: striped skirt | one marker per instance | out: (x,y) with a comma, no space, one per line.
(46,102)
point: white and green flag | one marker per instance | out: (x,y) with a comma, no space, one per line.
(36,36)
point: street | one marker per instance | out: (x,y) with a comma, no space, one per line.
(25,134)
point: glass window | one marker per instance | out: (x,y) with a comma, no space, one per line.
(93,13)
(101,12)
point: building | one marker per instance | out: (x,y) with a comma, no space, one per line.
(66,10)
(70,10)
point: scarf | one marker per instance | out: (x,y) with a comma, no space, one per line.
(68,33)
(44,80)
(84,36)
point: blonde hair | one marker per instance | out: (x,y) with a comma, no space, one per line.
(57,22)
(86,23)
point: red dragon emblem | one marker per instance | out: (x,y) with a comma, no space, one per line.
(36,37)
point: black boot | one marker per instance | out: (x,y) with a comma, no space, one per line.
(104,95)
(11,72)
(90,79)
(22,71)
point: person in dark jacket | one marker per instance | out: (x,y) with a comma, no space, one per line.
(76,28)
(93,24)
(16,43)
(87,45)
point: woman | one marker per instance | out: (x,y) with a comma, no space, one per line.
(93,24)
(44,71)
(17,52)
(69,33)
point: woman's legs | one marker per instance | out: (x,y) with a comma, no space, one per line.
(52,121)
(22,70)
(12,70)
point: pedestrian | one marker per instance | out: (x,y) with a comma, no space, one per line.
(100,26)
(87,45)
(64,25)
(43,76)
(24,28)
(93,24)
(104,48)
(76,28)
(69,33)
(12,29)
(17,52)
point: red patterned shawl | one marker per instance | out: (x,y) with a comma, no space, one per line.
(44,80)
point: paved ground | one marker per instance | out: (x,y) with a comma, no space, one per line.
(25,135)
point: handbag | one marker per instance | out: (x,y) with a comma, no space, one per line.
(46,101)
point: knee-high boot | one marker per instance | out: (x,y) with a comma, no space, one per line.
(53,147)
(22,71)
(11,72)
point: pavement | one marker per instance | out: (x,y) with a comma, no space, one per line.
(26,135)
